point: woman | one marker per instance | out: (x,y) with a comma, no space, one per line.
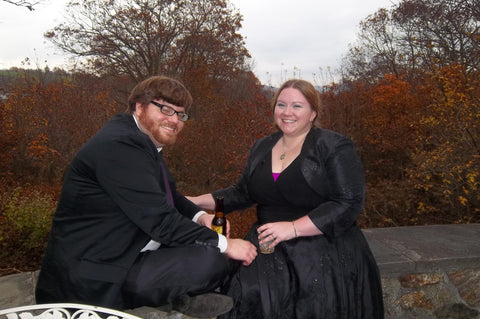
(309,187)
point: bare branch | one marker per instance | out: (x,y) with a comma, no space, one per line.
(140,38)
(30,5)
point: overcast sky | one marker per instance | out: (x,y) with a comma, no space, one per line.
(302,38)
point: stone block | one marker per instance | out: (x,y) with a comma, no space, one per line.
(17,290)
(467,283)
(420,280)
(456,311)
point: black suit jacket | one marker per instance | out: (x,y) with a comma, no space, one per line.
(113,202)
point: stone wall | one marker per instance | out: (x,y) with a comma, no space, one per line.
(428,272)
(439,295)
(17,290)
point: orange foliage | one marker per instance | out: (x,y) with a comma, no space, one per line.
(421,143)
(213,147)
(390,119)
(447,162)
(46,122)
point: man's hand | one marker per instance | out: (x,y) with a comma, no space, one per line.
(240,249)
(206,220)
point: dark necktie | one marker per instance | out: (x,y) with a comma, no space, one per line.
(165,181)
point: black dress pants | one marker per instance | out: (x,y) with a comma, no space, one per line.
(158,276)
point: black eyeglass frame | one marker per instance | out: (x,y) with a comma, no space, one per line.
(170,111)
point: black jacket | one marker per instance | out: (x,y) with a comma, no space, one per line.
(112,203)
(330,166)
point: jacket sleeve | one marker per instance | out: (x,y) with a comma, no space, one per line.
(337,172)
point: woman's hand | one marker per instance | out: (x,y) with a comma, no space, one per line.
(283,231)
(279,231)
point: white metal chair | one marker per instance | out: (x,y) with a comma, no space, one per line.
(63,311)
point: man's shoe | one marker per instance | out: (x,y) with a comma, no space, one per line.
(203,306)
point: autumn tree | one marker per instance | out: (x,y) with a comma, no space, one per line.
(141,38)
(419,137)
(340,107)
(47,120)
(194,41)
(441,33)
(381,120)
(388,121)
(212,149)
(447,162)
(414,37)
(376,52)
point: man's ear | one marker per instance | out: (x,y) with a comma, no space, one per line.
(138,108)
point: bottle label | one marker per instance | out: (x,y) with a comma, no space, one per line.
(218,229)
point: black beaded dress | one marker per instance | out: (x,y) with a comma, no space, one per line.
(305,277)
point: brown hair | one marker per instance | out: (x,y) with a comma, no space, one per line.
(309,92)
(159,88)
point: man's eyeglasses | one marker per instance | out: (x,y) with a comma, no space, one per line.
(167,110)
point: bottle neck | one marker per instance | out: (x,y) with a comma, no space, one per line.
(219,206)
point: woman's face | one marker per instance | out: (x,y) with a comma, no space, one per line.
(293,114)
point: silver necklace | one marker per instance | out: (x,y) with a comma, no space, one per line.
(282,156)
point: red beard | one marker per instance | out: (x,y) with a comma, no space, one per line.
(154,130)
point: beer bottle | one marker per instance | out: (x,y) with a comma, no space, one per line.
(219,222)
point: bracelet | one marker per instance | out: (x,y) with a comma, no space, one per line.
(294,229)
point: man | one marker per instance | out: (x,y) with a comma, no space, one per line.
(122,235)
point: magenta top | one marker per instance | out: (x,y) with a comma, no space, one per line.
(275,176)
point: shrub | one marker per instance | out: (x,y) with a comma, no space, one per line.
(26,221)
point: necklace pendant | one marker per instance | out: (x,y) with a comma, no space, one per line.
(282,156)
